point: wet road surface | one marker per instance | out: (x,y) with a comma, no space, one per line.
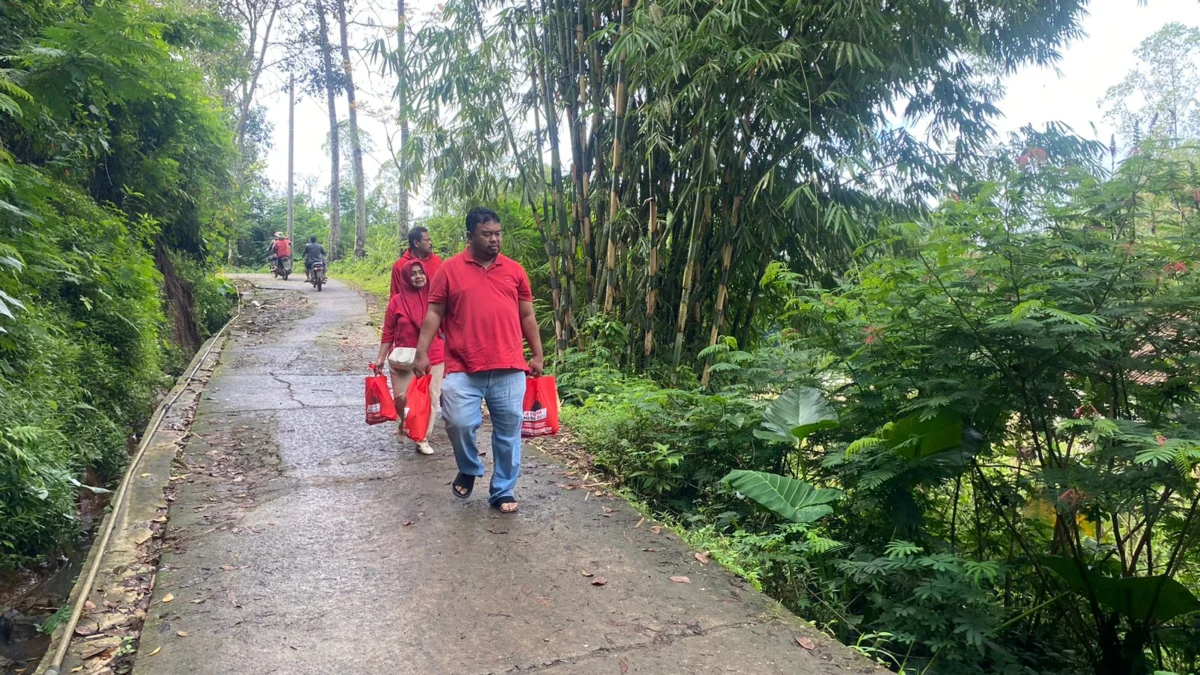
(302,541)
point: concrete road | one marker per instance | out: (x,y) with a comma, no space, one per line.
(302,541)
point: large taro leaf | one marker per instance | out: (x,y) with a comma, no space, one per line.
(795,500)
(796,414)
(1129,596)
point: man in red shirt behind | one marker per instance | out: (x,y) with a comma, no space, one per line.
(280,247)
(420,247)
(482,304)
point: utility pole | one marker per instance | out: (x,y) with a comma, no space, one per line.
(291,148)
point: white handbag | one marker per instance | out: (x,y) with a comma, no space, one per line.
(402,358)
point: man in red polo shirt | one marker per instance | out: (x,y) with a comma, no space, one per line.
(482,304)
(420,247)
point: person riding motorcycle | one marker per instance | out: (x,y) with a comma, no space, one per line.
(313,253)
(280,247)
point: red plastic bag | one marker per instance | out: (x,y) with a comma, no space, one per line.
(418,408)
(541,407)
(380,408)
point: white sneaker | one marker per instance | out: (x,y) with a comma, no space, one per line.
(424,448)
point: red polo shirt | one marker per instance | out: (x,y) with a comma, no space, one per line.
(482,323)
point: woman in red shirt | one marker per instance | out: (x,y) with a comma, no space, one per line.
(397,348)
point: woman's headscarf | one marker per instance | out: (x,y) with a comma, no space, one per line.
(414,302)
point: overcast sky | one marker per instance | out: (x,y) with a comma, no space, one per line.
(1067,93)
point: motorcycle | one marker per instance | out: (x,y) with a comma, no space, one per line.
(316,276)
(282,267)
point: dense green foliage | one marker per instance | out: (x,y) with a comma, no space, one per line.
(114,171)
(669,151)
(1013,433)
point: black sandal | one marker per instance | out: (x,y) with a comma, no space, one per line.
(464,481)
(499,503)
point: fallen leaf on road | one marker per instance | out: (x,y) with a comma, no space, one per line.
(599,581)
(624,668)
(407,523)
(585,573)
(181,633)
(156,650)
(607,510)
(76,669)
(702,557)
(639,523)
(98,647)
(168,597)
(145,475)
(651,550)
(227,568)
(656,529)
(807,643)
(497,531)
(681,580)
(199,601)
(89,606)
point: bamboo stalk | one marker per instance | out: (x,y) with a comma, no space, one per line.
(722,289)
(614,198)
(689,269)
(651,272)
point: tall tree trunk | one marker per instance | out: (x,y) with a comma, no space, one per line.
(403,226)
(360,182)
(250,86)
(335,159)
(614,199)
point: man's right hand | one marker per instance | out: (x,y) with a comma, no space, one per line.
(421,364)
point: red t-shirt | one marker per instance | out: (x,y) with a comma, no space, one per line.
(402,327)
(482,323)
(431,265)
(283,247)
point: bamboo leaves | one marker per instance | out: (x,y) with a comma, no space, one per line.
(750,126)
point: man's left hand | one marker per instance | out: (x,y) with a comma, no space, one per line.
(536,366)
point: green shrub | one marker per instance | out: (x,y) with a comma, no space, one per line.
(79,362)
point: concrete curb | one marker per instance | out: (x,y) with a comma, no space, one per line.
(110,625)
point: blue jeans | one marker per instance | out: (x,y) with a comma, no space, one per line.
(504,391)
